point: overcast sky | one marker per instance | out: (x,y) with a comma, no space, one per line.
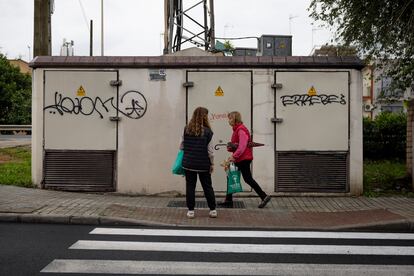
(134,27)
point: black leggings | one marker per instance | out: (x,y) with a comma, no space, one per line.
(244,167)
(191,181)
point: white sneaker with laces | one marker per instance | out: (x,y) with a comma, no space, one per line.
(190,214)
(213,214)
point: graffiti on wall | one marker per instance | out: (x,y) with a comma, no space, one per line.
(310,100)
(132,104)
(217,116)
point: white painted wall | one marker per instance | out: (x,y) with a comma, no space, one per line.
(147,146)
(236,94)
(37,126)
(83,125)
(263,129)
(356,139)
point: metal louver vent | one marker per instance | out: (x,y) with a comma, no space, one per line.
(79,170)
(311,172)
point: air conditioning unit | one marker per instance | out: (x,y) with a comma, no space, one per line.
(368,107)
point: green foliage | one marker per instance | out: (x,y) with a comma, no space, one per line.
(336,50)
(15,166)
(386,177)
(380,29)
(385,137)
(229,46)
(15,94)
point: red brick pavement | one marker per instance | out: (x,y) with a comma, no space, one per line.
(254,218)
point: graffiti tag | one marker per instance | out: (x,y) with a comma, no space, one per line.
(215,116)
(133,105)
(307,100)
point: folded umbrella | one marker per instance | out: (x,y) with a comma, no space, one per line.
(254,144)
(250,144)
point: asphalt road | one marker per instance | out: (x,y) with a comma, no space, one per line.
(28,249)
(15,140)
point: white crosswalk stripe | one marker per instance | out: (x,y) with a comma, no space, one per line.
(244,248)
(251,234)
(203,268)
(282,244)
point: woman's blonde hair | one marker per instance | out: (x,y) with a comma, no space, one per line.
(197,122)
(235,117)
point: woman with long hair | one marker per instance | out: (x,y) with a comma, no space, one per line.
(242,158)
(198,160)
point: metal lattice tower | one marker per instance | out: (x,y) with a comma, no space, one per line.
(177,32)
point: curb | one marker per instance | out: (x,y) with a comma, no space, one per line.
(402,225)
(77,220)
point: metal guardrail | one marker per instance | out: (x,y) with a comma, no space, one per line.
(16,127)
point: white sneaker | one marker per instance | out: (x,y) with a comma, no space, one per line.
(213,214)
(190,214)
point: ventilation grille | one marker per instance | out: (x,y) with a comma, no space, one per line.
(311,172)
(79,170)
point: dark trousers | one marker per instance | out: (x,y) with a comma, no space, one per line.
(191,181)
(244,167)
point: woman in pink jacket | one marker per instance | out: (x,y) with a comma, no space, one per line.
(242,158)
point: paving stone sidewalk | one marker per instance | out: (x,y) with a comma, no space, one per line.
(317,213)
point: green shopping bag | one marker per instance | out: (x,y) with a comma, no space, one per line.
(233,180)
(177,168)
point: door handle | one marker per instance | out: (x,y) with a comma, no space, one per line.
(114,118)
(276,120)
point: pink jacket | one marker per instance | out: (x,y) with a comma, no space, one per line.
(241,136)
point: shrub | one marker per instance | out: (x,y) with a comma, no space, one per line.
(385,136)
(385,177)
(15,94)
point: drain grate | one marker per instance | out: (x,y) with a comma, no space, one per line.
(203,204)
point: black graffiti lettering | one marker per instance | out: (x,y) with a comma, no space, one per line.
(88,106)
(287,100)
(330,99)
(89,103)
(323,99)
(103,104)
(307,100)
(342,101)
(137,107)
(299,100)
(58,99)
(315,100)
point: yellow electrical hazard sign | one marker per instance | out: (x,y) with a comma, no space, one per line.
(81,92)
(312,91)
(219,92)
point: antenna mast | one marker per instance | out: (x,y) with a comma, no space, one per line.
(177,33)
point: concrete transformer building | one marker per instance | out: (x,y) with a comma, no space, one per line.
(115,123)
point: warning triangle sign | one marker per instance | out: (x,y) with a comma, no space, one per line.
(312,91)
(219,91)
(81,92)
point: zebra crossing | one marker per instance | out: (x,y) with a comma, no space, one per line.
(229,252)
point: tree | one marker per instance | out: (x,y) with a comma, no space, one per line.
(382,30)
(15,94)
(229,47)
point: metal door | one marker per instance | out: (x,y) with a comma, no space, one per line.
(80,130)
(221,92)
(312,131)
